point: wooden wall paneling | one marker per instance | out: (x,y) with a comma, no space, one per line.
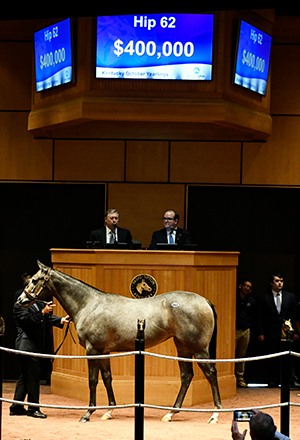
(15,75)
(142,206)
(147,161)
(205,162)
(286,29)
(285,97)
(89,160)
(282,148)
(22,156)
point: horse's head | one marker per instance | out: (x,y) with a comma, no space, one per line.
(287,329)
(37,288)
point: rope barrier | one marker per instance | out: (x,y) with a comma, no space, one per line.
(55,356)
(146,353)
(145,405)
(133,405)
(216,361)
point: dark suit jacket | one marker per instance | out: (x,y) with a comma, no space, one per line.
(124,236)
(269,322)
(31,327)
(182,237)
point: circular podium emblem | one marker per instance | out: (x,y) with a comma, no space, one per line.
(143,286)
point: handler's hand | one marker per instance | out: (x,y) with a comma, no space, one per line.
(235,433)
(66,319)
(48,307)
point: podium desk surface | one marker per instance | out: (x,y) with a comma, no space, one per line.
(145,257)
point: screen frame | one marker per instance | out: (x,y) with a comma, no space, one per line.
(237,42)
(73,54)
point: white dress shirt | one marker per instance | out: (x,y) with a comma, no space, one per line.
(275,297)
(173,232)
(109,233)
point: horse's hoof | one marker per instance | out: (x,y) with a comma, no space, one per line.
(213,419)
(106,416)
(167,418)
(84,419)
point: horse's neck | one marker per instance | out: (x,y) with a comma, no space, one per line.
(70,293)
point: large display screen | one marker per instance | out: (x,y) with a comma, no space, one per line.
(53,55)
(252,58)
(155,46)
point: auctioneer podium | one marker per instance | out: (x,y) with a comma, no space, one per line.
(210,274)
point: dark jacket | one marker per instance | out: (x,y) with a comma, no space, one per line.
(31,327)
(99,235)
(269,322)
(182,237)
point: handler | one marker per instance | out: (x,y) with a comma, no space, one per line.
(31,334)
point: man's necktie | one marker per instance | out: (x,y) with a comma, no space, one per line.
(171,239)
(112,237)
(278,303)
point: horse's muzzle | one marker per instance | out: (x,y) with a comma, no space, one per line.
(24,301)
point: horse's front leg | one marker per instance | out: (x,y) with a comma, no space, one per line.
(93,366)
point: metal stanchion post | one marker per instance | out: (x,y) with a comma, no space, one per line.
(139,381)
(285,375)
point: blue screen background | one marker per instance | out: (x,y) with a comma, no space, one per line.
(197,29)
(47,43)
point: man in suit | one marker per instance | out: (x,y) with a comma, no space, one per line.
(31,336)
(274,308)
(111,232)
(171,233)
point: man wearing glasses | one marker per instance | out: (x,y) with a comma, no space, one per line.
(171,233)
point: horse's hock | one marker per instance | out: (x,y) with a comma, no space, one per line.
(211,274)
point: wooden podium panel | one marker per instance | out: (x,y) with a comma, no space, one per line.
(210,274)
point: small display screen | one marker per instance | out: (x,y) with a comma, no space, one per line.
(53,55)
(155,46)
(252,58)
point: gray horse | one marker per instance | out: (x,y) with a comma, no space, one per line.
(107,322)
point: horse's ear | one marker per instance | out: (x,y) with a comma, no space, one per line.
(41,265)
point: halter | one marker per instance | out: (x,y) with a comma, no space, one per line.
(46,279)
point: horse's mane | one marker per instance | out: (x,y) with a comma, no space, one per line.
(72,279)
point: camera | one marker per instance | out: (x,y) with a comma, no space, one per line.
(242,416)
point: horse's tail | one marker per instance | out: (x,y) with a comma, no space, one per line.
(213,341)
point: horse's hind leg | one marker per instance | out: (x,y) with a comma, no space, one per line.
(210,372)
(107,380)
(186,376)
